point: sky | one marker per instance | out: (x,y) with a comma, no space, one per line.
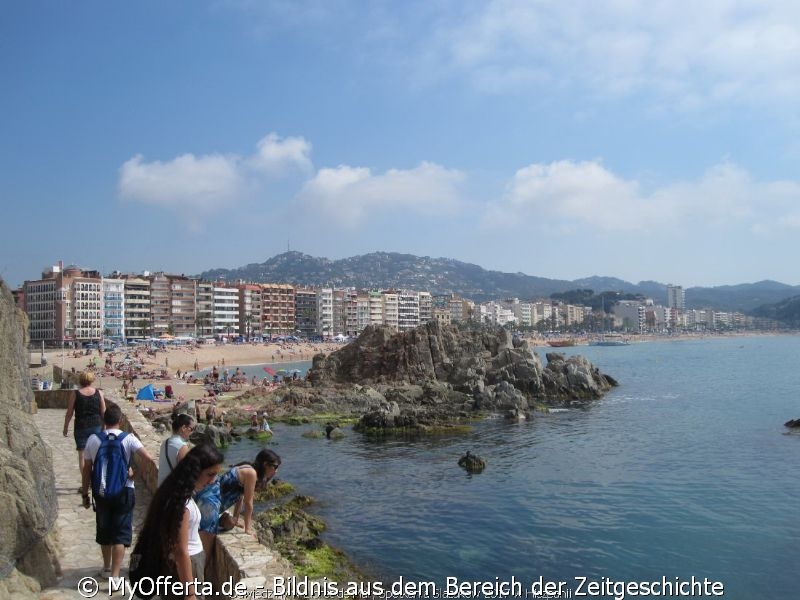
(652,140)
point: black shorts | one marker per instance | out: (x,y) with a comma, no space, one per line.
(114,519)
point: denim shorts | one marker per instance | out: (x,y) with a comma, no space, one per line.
(81,435)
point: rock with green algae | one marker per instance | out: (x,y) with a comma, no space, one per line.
(274,489)
(295,533)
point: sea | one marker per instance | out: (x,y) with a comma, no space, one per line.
(684,471)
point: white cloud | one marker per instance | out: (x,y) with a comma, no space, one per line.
(205,184)
(184,183)
(277,156)
(574,197)
(349,195)
(692,54)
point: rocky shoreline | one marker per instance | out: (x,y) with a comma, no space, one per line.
(429,380)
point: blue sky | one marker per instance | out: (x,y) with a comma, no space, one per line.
(640,140)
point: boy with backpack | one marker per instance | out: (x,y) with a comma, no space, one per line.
(107,460)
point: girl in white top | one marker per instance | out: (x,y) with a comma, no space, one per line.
(169,537)
(175,447)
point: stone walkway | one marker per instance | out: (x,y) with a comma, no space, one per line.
(79,554)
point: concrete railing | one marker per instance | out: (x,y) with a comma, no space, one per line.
(236,557)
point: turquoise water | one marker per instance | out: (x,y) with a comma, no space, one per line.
(684,470)
(258,369)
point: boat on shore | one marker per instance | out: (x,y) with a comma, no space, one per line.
(611,339)
(560,343)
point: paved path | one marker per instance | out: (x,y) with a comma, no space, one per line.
(79,554)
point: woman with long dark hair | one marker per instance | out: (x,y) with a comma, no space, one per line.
(234,488)
(169,537)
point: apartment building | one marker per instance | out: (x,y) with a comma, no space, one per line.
(305,311)
(138,323)
(425,307)
(632,315)
(441,316)
(250,309)
(113,315)
(460,310)
(343,313)
(183,305)
(159,305)
(522,312)
(495,313)
(225,315)
(204,309)
(362,312)
(40,304)
(65,306)
(676,297)
(391,310)
(407,310)
(375,300)
(277,309)
(325,313)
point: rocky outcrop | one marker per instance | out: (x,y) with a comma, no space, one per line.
(433,373)
(27,484)
(472,463)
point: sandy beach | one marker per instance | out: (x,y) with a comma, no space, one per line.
(175,359)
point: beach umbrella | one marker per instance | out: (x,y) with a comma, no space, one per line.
(281,372)
(270,371)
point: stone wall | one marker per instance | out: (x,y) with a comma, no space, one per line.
(27,483)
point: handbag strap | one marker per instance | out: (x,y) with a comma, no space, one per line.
(166,453)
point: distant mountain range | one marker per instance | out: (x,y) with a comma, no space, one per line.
(381,270)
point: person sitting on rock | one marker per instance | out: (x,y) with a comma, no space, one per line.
(264,423)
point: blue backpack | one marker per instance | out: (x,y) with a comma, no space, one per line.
(110,467)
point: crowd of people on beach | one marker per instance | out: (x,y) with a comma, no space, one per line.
(189,508)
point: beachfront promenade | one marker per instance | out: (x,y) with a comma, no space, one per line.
(238,556)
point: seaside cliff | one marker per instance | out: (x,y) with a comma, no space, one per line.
(437,374)
(28,558)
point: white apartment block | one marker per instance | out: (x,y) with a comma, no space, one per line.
(495,313)
(522,312)
(325,313)
(87,305)
(114,309)
(407,310)
(226,311)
